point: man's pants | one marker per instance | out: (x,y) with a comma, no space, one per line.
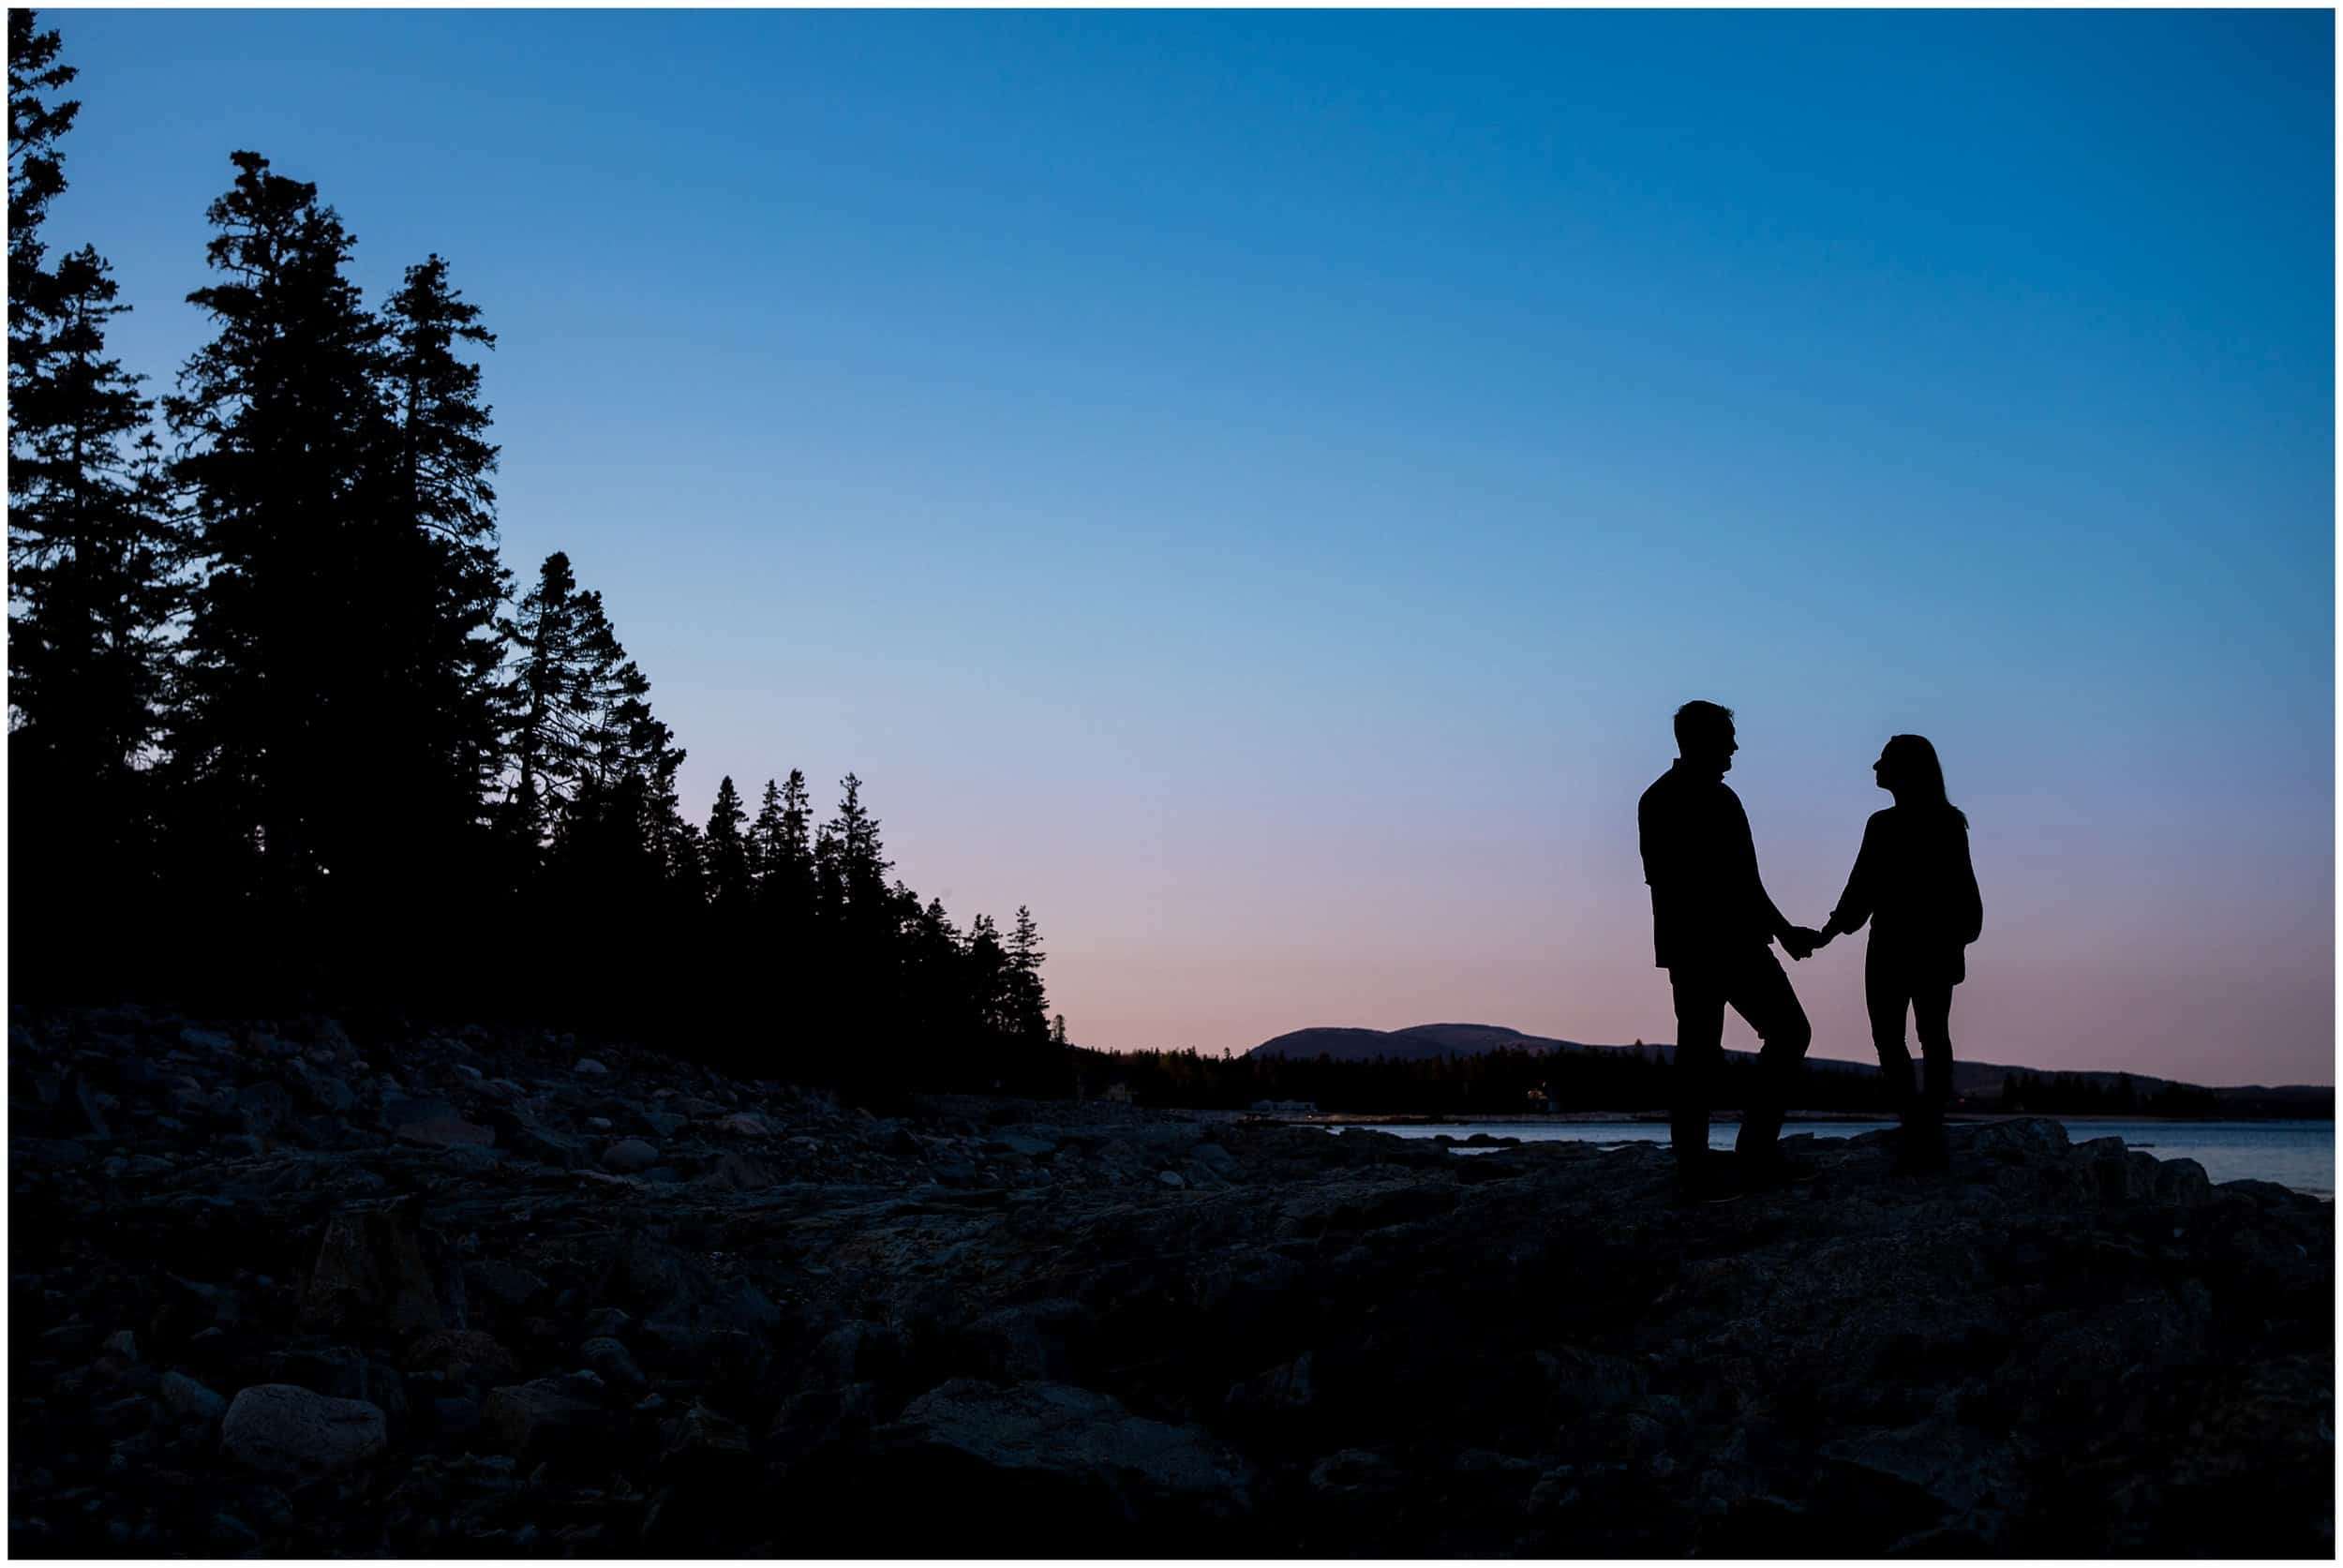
(1752,985)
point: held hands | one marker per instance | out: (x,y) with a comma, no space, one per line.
(1802,941)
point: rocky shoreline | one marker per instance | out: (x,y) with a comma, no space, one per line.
(277,1290)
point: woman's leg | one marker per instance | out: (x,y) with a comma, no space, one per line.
(1886,994)
(1932,1020)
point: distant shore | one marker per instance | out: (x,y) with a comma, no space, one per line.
(1586,1118)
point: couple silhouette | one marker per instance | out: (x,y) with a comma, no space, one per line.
(1713,928)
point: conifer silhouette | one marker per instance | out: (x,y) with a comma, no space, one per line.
(272,679)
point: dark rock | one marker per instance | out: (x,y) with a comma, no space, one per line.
(1042,1341)
(460,1356)
(189,1401)
(56,1153)
(860,1351)
(1282,1391)
(1330,1345)
(370,1274)
(503,1286)
(1045,1461)
(431,1122)
(279,1428)
(738,1172)
(546,1422)
(2182,1181)
(609,1358)
(708,1449)
(817,1418)
(630,1155)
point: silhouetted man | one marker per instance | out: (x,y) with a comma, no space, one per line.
(1712,927)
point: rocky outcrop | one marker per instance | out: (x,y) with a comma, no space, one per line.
(278,1290)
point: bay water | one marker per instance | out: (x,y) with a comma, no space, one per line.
(2300,1155)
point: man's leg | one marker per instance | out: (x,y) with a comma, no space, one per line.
(1761,993)
(1699,1043)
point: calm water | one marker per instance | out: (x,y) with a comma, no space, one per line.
(2300,1155)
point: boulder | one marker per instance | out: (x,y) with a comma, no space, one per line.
(370,1274)
(630,1155)
(461,1356)
(547,1420)
(279,1427)
(610,1359)
(189,1401)
(431,1122)
(1044,1464)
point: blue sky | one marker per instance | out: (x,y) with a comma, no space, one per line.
(1254,485)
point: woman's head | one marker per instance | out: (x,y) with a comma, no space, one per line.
(1908,769)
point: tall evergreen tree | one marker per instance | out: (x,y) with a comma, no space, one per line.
(989,975)
(830,877)
(862,865)
(38,120)
(1028,1005)
(727,846)
(440,461)
(594,770)
(93,551)
(764,839)
(789,870)
(280,418)
(579,710)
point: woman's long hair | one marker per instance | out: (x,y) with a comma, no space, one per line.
(1916,763)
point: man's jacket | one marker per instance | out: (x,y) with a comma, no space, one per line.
(1708,904)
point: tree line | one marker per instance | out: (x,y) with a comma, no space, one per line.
(2077,1094)
(281,728)
(1512,1081)
(1508,1080)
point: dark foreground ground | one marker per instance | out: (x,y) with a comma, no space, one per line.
(274,1291)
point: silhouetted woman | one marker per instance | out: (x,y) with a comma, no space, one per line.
(1914,883)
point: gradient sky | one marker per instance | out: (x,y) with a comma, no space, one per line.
(1254,487)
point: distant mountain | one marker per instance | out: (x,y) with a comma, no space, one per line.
(1423,1042)
(1426,1041)
(1352,1045)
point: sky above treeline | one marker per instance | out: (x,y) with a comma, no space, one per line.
(1254,487)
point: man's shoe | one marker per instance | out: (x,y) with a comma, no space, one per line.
(1712,1182)
(1921,1154)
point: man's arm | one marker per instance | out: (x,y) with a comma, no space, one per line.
(1777,924)
(1652,835)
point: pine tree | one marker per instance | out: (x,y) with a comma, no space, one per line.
(281,421)
(792,869)
(727,844)
(989,975)
(862,867)
(830,877)
(38,120)
(1027,1004)
(96,555)
(579,710)
(440,461)
(94,550)
(764,840)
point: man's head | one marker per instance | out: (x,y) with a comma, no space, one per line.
(1704,735)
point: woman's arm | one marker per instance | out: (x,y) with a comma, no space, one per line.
(1973,912)
(1856,903)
